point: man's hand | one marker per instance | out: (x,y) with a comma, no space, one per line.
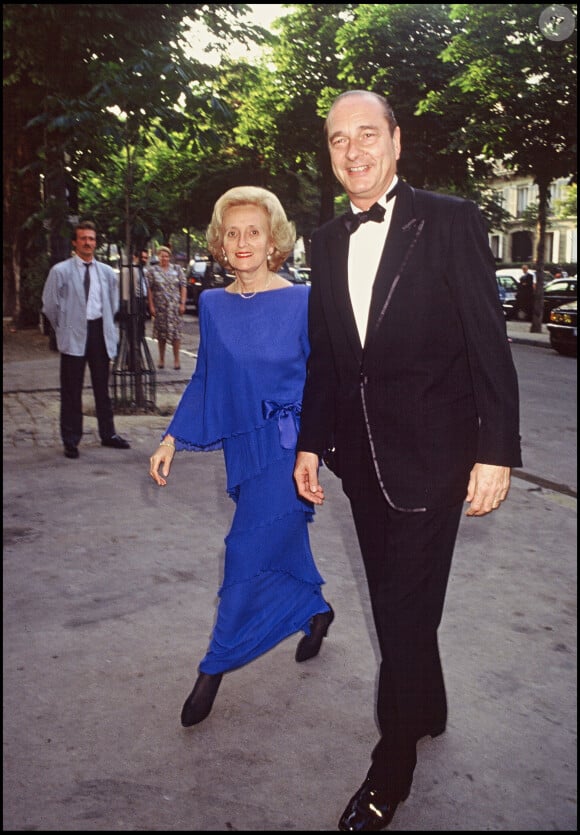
(306,477)
(488,487)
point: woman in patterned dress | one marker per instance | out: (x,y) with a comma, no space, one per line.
(167,296)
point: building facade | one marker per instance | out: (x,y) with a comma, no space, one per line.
(518,242)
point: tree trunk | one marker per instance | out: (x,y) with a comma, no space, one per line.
(543,200)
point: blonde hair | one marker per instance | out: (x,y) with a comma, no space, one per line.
(282,230)
(163,249)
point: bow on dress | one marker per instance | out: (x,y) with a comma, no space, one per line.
(288,417)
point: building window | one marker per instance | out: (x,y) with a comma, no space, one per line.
(523,199)
(495,245)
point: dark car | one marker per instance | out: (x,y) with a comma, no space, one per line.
(302,274)
(202,274)
(297,275)
(563,328)
(559,292)
(287,271)
(507,288)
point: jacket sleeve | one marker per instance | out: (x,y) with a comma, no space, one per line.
(50,297)
(472,281)
(319,397)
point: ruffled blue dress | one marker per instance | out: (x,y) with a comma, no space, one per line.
(245,398)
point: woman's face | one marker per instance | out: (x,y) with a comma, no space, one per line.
(246,239)
(164,259)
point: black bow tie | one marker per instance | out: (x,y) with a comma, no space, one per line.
(352,220)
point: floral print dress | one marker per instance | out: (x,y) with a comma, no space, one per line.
(166,288)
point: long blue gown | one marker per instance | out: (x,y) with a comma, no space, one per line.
(245,398)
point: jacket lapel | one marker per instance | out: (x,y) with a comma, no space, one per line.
(77,277)
(338,259)
(403,234)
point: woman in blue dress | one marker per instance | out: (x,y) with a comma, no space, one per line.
(245,398)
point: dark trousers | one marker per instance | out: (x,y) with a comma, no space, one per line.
(72,375)
(407,559)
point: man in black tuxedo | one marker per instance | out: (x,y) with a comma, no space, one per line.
(411,382)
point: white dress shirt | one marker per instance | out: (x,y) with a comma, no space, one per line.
(364,253)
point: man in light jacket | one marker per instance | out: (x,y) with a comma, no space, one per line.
(80,300)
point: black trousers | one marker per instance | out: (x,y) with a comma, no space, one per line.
(72,375)
(407,559)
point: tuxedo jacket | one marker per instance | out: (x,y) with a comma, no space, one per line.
(65,307)
(433,389)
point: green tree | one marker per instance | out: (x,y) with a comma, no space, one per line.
(281,115)
(517,90)
(119,69)
(568,206)
(394,50)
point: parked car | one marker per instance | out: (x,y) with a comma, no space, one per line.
(515,272)
(508,292)
(557,292)
(201,274)
(563,328)
(287,271)
(302,274)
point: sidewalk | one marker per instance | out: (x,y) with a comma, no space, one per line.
(43,376)
(520,332)
(109,599)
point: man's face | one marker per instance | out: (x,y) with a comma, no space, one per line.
(362,151)
(144,256)
(85,243)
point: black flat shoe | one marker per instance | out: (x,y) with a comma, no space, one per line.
(71,452)
(368,810)
(200,701)
(116,442)
(309,645)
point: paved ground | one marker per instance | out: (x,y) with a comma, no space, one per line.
(109,599)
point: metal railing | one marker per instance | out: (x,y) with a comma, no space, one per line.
(133,379)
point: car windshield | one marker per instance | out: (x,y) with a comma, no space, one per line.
(508,282)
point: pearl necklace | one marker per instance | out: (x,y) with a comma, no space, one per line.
(240,292)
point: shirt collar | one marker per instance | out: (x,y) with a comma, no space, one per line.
(81,262)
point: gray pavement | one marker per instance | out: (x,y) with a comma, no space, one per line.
(109,599)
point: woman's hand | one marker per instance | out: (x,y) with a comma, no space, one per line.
(162,458)
(306,477)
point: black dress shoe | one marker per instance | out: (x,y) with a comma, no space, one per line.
(368,810)
(116,442)
(71,451)
(309,645)
(436,730)
(200,701)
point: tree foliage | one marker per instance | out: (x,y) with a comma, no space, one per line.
(80,80)
(518,92)
(111,110)
(394,50)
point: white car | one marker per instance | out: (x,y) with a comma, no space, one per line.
(508,292)
(515,272)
